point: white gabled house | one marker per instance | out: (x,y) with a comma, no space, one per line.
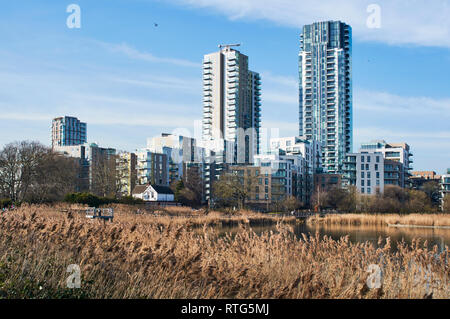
(153,193)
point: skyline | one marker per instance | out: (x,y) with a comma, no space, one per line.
(95,72)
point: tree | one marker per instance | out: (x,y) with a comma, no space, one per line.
(55,177)
(291,203)
(104,176)
(431,189)
(29,171)
(233,189)
(18,163)
(446,204)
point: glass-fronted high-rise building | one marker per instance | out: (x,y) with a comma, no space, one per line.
(68,131)
(325,75)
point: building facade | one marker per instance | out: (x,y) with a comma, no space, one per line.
(97,167)
(179,150)
(286,176)
(231,113)
(325,90)
(397,152)
(365,171)
(444,187)
(126,167)
(68,131)
(152,168)
(231,105)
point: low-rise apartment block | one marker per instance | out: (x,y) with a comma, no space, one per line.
(152,168)
(444,187)
(397,152)
(366,171)
(126,168)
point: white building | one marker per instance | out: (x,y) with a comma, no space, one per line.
(365,171)
(296,145)
(444,186)
(153,193)
(397,152)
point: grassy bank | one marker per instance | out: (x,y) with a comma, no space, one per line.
(142,257)
(383,219)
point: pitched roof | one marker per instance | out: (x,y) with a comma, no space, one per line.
(139,189)
(162,189)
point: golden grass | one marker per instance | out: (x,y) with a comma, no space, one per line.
(384,220)
(142,257)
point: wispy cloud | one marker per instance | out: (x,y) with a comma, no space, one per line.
(366,100)
(419,22)
(172,83)
(147,56)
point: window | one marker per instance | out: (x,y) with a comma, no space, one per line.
(367,167)
(362,159)
(362,167)
(368,184)
(266,181)
(368,174)
(362,174)
(362,190)
(362,183)
(376,167)
(260,181)
(378,182)
(368,159)
(368,190)
(378,159)
(378,174)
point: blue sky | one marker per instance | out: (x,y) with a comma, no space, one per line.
(131,80)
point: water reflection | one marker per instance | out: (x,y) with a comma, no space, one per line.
(439,237)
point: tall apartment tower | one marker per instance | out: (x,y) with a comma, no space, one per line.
(68,131)
(231,105)
(326,107)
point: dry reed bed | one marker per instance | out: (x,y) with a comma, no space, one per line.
(129,259)
(384,220)
(187,216)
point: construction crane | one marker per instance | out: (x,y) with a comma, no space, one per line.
(228,46)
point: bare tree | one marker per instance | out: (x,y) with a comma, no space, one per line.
(18,167)
(233,190)
(104,176)
(30,171)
